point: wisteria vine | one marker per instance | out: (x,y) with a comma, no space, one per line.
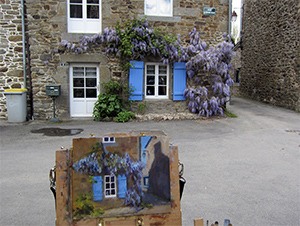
(208,67)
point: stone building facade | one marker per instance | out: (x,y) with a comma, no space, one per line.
(271,52)
(51,21)
(11,50)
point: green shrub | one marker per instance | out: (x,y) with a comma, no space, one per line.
(113,87)
(142,108)
(124,116)
(84,207)
(119,88)
(112,101)
(107,106)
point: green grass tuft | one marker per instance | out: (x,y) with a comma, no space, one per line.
(230,114)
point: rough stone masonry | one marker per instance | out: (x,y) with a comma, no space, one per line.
(271,52)
(47,26)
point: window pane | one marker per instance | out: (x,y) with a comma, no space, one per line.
(78,82)
(162,91)
(113,192)
(162,80)
(78,93)
(150,91)
(107,186)
(78,71)
(93,11)
(76,1)
(151,69)
(162,69)
(150,7)
(91,93)
(75,11)
(90,82)
(106,179)
(91,71)
(150,80)
(112,179)
(165,7)
(93,1)
(158,7)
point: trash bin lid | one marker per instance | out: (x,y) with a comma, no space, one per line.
(21,90)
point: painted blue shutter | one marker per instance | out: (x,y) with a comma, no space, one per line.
(122,186)
(97,188)
(136,75)
(179,81)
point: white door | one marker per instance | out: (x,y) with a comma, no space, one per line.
(84,80)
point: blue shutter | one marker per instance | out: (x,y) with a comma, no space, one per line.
(97,188)
(122,186)
(136,75)
(179,81)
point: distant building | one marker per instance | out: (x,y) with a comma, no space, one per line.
(270,70)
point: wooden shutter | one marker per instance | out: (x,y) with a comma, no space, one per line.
(136,76)
(179,81)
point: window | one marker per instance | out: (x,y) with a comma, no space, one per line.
(156,80)
(84,16)
(159,7)
(84,82)
(110,186)
(108,140)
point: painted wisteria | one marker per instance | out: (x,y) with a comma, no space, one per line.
(113,164)
(207,67)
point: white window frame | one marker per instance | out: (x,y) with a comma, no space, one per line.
(84,25)
(107,140)
(110,187)
(156,84)
(158,4)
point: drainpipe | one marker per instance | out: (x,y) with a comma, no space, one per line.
(229,17)
(23,44)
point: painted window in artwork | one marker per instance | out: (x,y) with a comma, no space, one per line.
(110,188)
(108,140)
(159,7)
(156,80)
(84,16)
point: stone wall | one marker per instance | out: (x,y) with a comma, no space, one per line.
(11,66)
(47,26)
(270,56)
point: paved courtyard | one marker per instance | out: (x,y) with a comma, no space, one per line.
(245,169)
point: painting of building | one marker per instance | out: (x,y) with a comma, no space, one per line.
(122,175)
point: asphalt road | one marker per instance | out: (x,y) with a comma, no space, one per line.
(245,169)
